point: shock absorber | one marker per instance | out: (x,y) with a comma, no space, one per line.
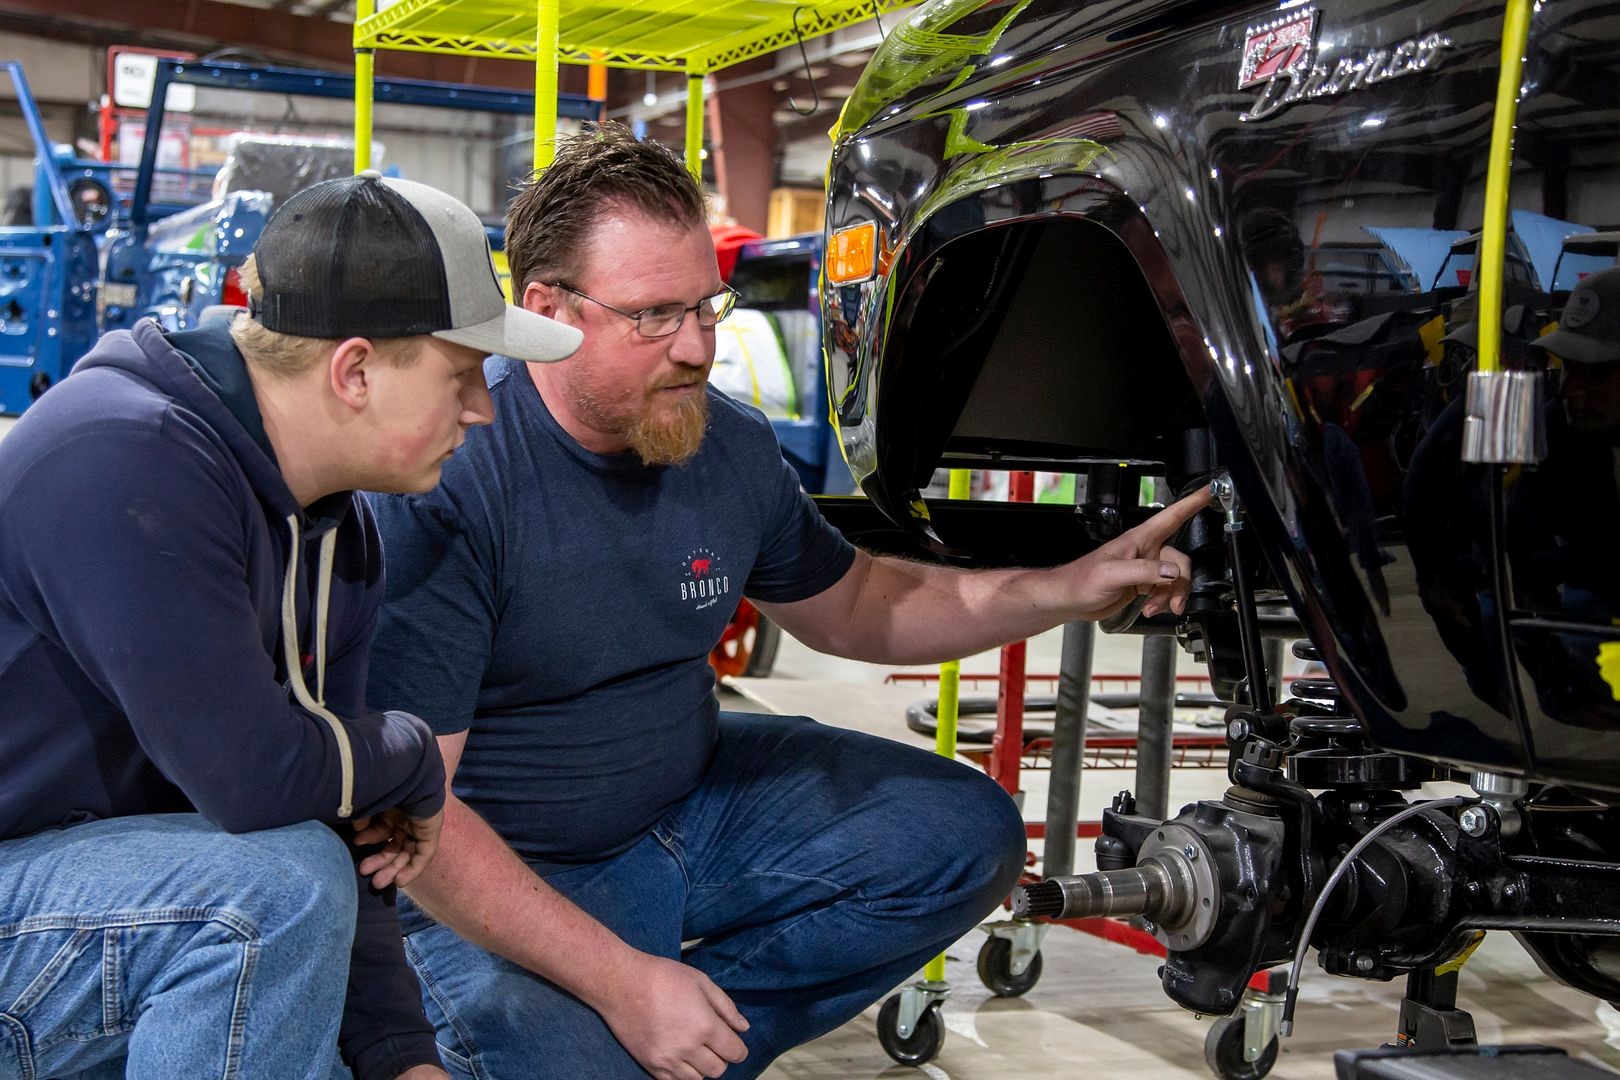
(1254,662)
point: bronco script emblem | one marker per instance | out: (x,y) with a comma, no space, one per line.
(1281,58)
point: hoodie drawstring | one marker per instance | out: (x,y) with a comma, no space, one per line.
(295,667)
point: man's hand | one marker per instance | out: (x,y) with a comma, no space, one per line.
(673,1020)
(408,845)
(424,1072)
(1139,564)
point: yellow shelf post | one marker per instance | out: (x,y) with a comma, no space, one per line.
(548,17)
(364,75)
(950,688)
(694,122)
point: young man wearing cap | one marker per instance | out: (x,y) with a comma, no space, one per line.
(188,589)
(550,612)
(1563,515)
(1587,339)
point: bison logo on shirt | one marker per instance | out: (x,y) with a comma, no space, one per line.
(703,578)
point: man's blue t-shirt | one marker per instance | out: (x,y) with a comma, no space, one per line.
(560,605)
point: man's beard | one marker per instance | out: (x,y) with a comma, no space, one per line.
(660,432)
(673,434)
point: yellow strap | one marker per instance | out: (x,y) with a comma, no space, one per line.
(1608,664)
(1456,962)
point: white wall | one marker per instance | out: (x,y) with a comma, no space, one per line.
(56,72)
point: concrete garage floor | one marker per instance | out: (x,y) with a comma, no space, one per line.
(1098,1010)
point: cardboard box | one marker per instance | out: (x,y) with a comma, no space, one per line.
(796,210)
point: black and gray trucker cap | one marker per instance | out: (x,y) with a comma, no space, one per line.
(1589,328)
(366,256)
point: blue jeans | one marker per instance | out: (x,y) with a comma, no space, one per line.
(186,950)
(819,867)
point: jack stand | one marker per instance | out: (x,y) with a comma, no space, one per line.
(1430,1019)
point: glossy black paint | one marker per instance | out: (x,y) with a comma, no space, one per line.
(1088,252)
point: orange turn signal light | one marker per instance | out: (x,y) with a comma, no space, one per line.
(852,254)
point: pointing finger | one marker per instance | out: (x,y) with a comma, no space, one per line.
(1159,528)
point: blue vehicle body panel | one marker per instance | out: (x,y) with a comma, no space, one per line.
(47,278)
(47,308)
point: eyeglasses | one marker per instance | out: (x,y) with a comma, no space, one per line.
(665,319)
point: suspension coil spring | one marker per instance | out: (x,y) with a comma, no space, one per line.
(1323,693)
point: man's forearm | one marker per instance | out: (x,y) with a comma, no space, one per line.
(478,887)
(889,611)
(920,613)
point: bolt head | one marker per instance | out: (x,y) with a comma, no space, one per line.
(1237,730)
(1365,963)
(1190,851)
(1474,821)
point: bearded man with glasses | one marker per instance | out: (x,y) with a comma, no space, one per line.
(631,882)
(668,428)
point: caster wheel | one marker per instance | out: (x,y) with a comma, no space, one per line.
(995,969)
(925,1041)
(1223,1052)
(37,386)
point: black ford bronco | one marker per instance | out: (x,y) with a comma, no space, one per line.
(1347,262)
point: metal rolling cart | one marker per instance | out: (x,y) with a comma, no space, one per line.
(1009,963)
(1240,1047)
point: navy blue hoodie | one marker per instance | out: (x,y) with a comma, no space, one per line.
(146,544)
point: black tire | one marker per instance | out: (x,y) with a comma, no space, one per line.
(995,969)
(925,1041)
(1223,1051)
(767,639)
